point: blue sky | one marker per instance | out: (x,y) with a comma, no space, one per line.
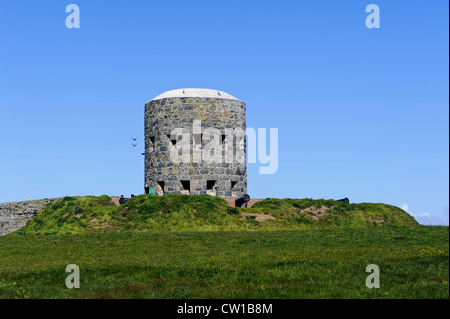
(361,113)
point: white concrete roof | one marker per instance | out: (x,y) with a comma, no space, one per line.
(195,93)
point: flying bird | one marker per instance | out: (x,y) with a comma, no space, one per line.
(134,145)
(134,138)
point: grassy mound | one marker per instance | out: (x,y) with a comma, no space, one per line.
(330,213)
(73,215)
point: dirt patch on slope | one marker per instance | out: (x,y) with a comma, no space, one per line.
(378,221)
(259,217)
(115,200)
(93,221)
(316,213)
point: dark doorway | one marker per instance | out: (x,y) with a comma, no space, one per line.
(185,187)
(211,188)
(234,189)
(160,190)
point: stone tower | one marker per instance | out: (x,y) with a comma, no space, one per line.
(223,124)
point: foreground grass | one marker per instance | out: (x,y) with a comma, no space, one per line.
(320,263)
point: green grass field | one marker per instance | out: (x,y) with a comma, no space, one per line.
(302,263)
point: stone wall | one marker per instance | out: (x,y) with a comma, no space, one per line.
(16,215)
(231,201)
(226,179)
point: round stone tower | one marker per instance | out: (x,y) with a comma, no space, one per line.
(195,144)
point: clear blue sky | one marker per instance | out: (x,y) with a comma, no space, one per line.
(362,113)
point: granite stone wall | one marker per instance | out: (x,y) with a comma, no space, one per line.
(226,178)
(16,215)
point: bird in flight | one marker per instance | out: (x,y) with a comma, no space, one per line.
(134,138)
(134,145)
